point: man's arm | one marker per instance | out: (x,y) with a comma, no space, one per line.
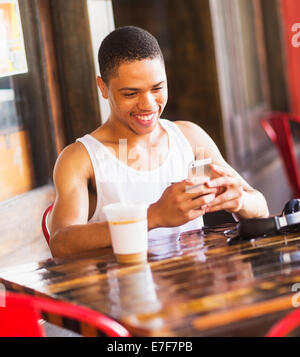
(236,195)
(69,231)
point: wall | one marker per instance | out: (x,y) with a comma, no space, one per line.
(184,32)
(21,237)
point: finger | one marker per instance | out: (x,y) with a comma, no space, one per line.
(223,181)
(199,190)
(225,197)
(193,214)
(231,206)
(196,180)
(182,185)
(199,202)
(221,170)
(177,189)
(186,190)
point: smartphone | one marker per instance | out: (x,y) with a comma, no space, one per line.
(200,170)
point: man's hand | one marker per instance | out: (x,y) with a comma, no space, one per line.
(179,204)
(230,188)
(234,193)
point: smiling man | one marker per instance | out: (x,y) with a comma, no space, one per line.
(140,155)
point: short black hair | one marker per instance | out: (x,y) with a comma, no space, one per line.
(126,44)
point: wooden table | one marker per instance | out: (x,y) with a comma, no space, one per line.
(193,285)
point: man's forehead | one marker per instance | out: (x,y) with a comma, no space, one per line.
(137,87)
(148,70)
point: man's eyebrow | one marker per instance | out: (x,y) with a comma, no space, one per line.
(136,89)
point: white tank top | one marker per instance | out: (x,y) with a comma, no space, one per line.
(136,185)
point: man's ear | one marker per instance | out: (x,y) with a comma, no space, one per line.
(103,87)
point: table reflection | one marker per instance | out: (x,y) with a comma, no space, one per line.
(133,294)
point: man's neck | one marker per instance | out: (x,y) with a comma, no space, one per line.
(117,131)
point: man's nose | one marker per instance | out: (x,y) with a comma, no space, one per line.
(147,102)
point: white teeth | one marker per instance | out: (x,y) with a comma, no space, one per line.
(145,118)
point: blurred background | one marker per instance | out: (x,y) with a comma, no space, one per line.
(229,62)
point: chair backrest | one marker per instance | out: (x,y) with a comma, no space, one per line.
(20,315)
(277,127)
(44,223)
(286,325)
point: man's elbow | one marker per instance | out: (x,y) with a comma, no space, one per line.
(57,245)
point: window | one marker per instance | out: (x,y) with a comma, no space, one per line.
(26,148)
(16,174)
(15,156)
(240,30)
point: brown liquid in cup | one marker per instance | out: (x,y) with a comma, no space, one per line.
(126,222)
(132,258)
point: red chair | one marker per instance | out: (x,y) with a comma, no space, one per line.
(44,223)
(277,127)
(21,314)
(285,325)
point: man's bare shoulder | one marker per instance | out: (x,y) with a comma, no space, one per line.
(74,160)
(185,124)
(72,154)
(194,133)
(200,141)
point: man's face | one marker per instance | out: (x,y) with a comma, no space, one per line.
(138,94)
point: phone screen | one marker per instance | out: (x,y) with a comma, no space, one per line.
(199,169)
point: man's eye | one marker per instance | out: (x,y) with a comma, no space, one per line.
(157,88)
(129,94)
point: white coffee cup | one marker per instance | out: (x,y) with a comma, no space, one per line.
(129,231)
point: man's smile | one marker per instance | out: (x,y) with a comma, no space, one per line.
(145,120)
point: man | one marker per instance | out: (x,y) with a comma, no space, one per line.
(140,156)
